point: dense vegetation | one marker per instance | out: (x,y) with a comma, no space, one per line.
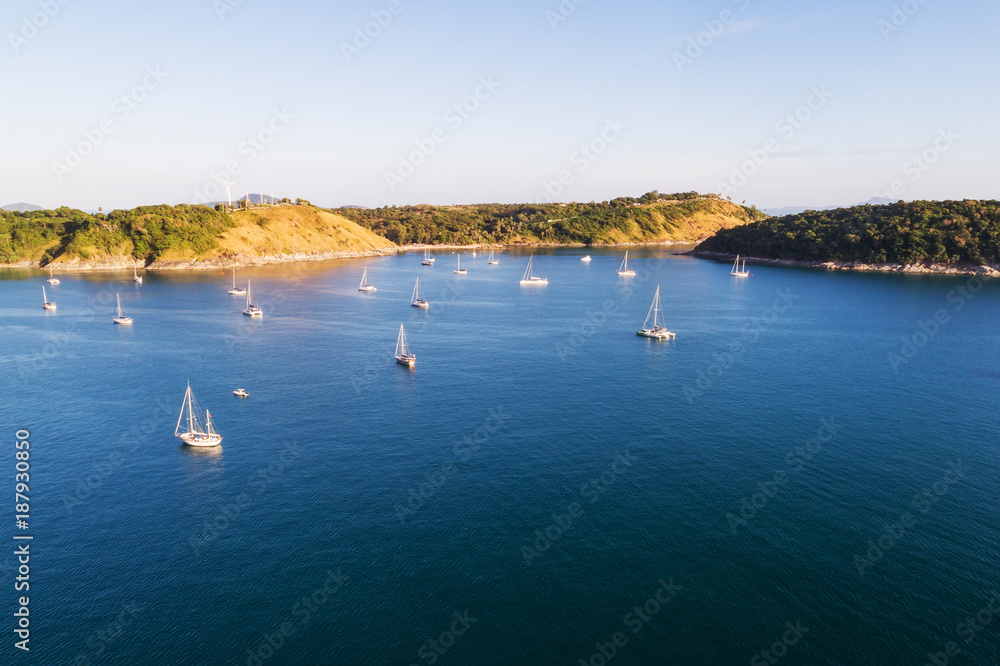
(648,218)
(144,233)
(966,232)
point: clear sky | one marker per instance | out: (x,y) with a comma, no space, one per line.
(116,104)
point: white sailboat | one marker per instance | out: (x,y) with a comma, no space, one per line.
(530,278)
(252,310)
(458,269)
(415,300)
(120,317)
(234,290)
(737,271)
(491,261)
(48,305)
(624,270)
(135,276)
(655,331)
(364,286)
(189,427)
(403,354)
(428,259)
(586,259)
(52,279)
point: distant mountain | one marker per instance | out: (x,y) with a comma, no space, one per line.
(21,207)
(796,210)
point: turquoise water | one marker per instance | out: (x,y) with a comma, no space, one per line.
(545,487)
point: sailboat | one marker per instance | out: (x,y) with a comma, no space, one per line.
(52,279)
(120,317)
(415,300)
(428,259)
(459,270)
(364,286)
(48,305)
(656,332)
(252,309)
(624,270)
(189,427)
(491,261)
(737,271)
(403,354)
(135,276)
(234,290)
(531,278)
(585,259)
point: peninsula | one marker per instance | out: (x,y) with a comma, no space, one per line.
(182,237)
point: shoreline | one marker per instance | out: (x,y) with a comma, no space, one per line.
(920,269)
(243,261)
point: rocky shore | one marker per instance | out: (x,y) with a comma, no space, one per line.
(213,263)
(930,268)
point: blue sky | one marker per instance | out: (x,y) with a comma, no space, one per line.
(576,102)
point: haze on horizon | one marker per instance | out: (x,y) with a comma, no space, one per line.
(785,103)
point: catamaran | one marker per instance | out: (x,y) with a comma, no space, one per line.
(48,305)
(364,286)
(135,276)
(403,354)
(656,332)
(234,290)
(120,317)
(624,270)
(428,259)
(530,278)
(52,279)
(458,269)
(252,309)
(491,261)
(737,271)
(415,300)
(189,428)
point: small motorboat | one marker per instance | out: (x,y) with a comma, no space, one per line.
(241,393)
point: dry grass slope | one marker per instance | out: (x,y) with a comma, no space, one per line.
(286,230)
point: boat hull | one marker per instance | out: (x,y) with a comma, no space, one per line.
(195,439)
(48,306)
(427,263)
(655,334)
(238,292)
(53,281)
(534,282)
(123,321)
(408,361)
(253,314)
(420,304)
(369,289)
(460,272)
(628,273)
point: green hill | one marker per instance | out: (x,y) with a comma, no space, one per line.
(917,232)
(652,218)
(176,233)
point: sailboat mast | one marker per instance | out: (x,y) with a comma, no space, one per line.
(190,410)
